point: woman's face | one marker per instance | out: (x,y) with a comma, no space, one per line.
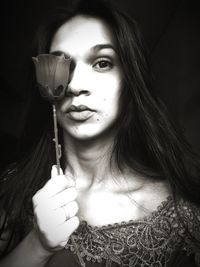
(91,106)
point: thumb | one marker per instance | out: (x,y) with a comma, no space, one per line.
(54,171)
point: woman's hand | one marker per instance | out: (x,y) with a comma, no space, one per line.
(55,210)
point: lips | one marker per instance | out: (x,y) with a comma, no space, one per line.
(79,113)
(78,108)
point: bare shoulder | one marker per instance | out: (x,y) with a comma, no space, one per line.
(130,200)
(154,194)
(150,194)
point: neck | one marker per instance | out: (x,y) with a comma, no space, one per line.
(89,165)
(88,162)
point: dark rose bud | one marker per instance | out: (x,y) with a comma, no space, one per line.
(52,74)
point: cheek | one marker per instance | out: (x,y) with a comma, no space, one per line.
(107,89)
(108,80)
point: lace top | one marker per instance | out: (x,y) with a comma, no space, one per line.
(157,240)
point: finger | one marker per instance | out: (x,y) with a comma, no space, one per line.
(51,188)
(64,213)
(63,198)
(58,182)
(70,210)
(48,220)
(55,202)
(54,171)
(54,175)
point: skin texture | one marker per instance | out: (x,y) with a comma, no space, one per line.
(95,80)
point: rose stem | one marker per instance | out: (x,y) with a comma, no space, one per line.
(57,146)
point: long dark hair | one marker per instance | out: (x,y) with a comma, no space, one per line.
(146,141)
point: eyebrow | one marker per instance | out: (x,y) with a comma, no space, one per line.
(95,48)
(103,46)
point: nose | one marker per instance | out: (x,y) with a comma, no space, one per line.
(78,80)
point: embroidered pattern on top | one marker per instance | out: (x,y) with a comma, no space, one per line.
(148,242)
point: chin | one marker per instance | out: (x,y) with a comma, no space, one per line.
(90,136)
(91,132)
(85,136)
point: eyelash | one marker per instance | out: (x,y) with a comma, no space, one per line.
(105,60)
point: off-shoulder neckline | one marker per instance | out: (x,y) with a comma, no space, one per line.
(158,210)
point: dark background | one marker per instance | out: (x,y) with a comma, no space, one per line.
(171,29)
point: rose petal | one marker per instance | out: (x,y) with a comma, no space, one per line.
(52,74)
(62,73)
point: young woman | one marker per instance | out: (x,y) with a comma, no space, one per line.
(129,191)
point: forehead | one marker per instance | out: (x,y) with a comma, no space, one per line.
(82,32)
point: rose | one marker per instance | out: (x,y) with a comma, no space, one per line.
(52,74)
